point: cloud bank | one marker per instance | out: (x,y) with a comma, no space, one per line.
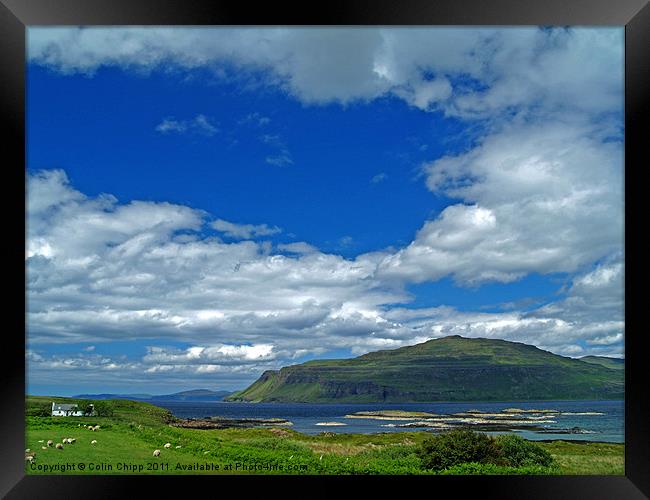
(467,72)
(540,191)
(101,271)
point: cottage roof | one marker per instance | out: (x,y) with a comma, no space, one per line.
(64,407)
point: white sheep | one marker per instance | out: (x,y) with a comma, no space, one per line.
(27,450)
(29,458)
(94,441)
(50,442)
(59,446)
(43,447)
(41,440)
(156,453)
(178,446)
(167,445)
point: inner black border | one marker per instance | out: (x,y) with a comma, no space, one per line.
(15,15)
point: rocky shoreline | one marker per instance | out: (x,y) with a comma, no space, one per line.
(226,423)
(510,419)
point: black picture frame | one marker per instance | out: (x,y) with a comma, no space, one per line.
(15,15)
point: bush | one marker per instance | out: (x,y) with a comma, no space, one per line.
(457,447)
(276,444)
(103,408)
(474,468)
(469,452)
(395,452)
(38,410)
(521,453)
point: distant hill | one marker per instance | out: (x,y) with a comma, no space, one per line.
(613,363)
(193,395)
(451,368)
(134,397)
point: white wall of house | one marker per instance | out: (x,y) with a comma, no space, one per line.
(61,413)
(66,413)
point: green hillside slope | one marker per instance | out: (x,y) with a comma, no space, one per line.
(447,369)
(613,363)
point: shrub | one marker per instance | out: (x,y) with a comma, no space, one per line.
(395,452)
(38,410)
(103,408)
(474,468)
(469,452)
(456,447)
(276,444)
(521,453)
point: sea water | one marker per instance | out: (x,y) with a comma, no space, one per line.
(608,427)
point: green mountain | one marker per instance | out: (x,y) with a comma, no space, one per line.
(447,369)
(613,363)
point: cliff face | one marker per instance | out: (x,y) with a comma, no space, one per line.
(446,369)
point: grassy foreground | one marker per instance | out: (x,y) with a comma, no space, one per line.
(131,431)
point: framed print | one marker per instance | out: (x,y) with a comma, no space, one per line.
(374,245)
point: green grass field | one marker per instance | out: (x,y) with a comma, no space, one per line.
(127,438)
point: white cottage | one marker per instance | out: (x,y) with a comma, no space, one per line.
(66,410)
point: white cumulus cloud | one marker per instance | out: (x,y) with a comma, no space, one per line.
(244,231)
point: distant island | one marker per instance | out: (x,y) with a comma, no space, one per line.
(451,368)
(193,395)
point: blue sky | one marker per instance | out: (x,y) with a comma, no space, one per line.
(326,195)
(205,204)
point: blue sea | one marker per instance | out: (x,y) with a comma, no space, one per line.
(608,427)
